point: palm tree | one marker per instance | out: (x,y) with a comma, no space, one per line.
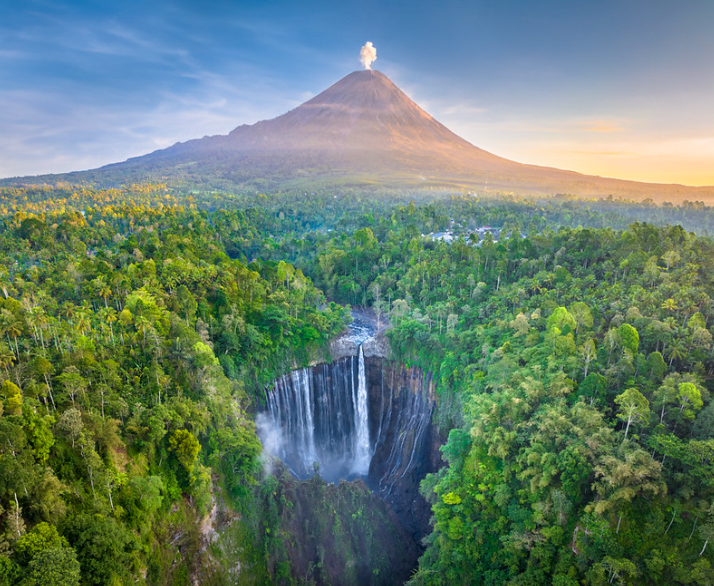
(669,305)
(83,323)
(37,319)
(104,291)
(534,286)
(4,282)
(68,311)
(109,315)
(676,351)
(6,358)
(12,326)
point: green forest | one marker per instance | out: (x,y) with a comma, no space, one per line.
(571,347)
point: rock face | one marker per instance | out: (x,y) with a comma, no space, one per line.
(377,347)
(405,442)
(338,534)
(343,347)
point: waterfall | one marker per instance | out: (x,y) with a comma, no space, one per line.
(349,421)
(306,409)
(362,450)
(315,415)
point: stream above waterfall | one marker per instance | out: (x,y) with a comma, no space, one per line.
(362,328)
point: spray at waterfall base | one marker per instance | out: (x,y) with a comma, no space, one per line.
(360,416)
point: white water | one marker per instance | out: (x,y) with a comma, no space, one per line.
(362,449)
(308,431)
(321,415)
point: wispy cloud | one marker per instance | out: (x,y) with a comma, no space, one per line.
(98,89)
(104,37)
(463,109)
(594,152)
(36,140)
(601,126)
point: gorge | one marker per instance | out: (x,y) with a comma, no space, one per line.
(360,419)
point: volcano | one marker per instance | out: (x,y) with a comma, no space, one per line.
(363,126)
(362,131)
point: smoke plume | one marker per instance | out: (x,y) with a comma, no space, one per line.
(367,55)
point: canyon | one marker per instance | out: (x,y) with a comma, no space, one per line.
(361,423)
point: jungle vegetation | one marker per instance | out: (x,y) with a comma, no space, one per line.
(573,354)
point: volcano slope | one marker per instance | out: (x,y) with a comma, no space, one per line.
(362,131)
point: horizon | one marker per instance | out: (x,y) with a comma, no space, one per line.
(87,87)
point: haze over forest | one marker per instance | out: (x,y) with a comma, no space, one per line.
(360,338)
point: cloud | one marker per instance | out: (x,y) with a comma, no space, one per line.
(592,152)
(463,109)
(58,132)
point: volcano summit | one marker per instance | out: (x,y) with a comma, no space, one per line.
(361,131)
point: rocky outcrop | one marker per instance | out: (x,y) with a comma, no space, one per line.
(376,347)
(340,534)
(343,347)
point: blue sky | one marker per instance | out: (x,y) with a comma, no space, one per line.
(620,88)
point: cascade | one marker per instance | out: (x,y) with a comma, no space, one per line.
(313,417)
(352,418)
(358,417)
(362,451)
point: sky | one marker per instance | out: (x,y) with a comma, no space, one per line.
(618,88)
